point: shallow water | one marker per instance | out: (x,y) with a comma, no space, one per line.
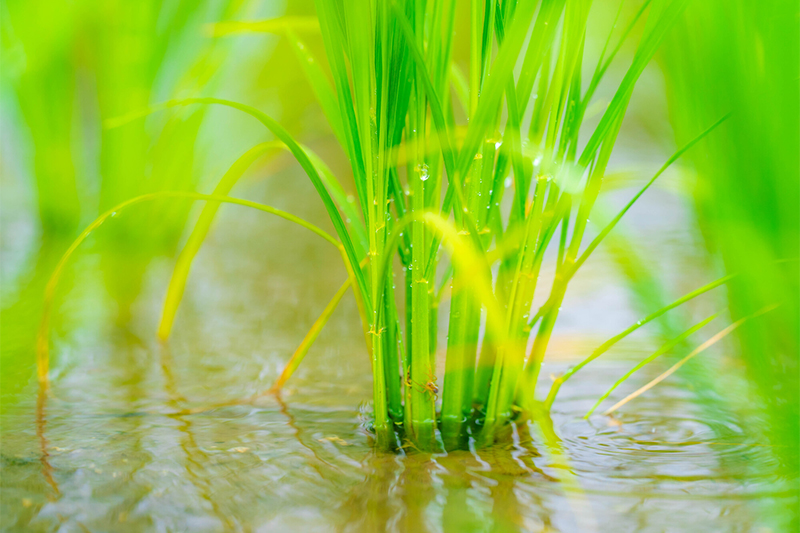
(109,455)
(107,449)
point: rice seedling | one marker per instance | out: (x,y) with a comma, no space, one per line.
(463,182)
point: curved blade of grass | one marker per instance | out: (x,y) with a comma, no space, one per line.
(468,260)
(346,202)
(666,347)
(710,342)
(443,283)
(180,273)
(320,85)
(603,348)
(42,344)
(606,230)
(302,158)
(311,336)
(276,25)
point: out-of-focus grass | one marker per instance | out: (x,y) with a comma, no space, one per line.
(743,57)
(68,70)
(71,65)
(728,58)
(68,67)
(39,62)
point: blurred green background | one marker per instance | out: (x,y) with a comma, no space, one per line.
(69,66)
(743,58)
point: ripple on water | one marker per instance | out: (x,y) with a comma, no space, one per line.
(117,458)
(305,463)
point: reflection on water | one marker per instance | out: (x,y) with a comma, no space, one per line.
(110,454)
(110,447)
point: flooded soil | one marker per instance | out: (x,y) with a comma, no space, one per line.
(128,438)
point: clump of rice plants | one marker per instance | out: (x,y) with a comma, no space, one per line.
(464,178)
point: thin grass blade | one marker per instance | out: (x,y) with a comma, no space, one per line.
(710,342)
(666,347)
(42,343)
(308,340)
(603,348)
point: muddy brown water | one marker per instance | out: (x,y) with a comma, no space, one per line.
(110,451)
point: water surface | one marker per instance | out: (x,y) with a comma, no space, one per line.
(112,447)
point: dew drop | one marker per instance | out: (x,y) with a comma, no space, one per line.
(422,170)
